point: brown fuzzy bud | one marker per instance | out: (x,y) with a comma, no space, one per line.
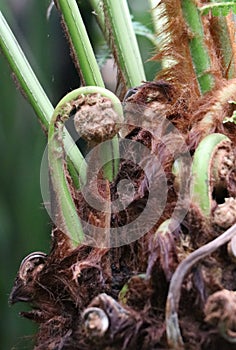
(95,119)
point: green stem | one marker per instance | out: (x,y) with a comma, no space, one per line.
(139,29)
(21,68)
(199,52)
(108,151)
(97,6)
(66,217)
(125,46)
(33,90)
(83,54)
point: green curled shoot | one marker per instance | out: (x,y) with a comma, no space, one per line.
(66,216)
(205,168)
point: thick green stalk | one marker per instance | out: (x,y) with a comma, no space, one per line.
(139,29)
(66,217)
(97,6)
(33,90)
(110,150)
(83,54)
(199,52)
(24,74)
(124,43)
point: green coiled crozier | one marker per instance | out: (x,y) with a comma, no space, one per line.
(209,170)
(65,213)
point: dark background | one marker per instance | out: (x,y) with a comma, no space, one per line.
(24,224)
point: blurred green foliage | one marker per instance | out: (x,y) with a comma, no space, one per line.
(24,224)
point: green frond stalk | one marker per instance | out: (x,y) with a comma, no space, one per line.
(225,47)
(199,52)
(66,217)
(110,150)
(97,6)
(32,89)
(124,43)
(82,51)
(139,28)
(24,74)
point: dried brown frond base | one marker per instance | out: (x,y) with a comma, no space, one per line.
(114,298)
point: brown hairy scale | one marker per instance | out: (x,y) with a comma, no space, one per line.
(226,61)
(209,113)
(176,48)
(68,282)
(211,45)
